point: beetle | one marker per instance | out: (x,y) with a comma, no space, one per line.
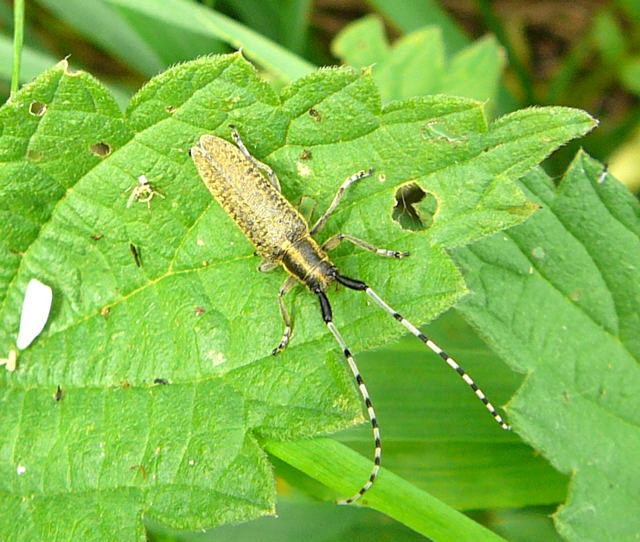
(249,192)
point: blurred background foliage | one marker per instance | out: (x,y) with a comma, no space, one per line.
(579,53)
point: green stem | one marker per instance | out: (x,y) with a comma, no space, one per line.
(18,36)
(342,469)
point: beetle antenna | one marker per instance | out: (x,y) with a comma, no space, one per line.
(327,316)
(359,285)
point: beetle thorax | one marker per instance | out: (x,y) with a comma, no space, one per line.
(305,260)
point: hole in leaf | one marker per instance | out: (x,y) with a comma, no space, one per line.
(315,114)
(414,207)
(101,149)
(34,155)
(37,109)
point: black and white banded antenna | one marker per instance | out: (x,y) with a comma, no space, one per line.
(326,310)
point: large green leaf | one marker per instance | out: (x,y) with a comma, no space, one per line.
(416,64)
(559,298)
(410,15)
(197,313)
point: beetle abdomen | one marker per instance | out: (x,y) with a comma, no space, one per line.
(267,219)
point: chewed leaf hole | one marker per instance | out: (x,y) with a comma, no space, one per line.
(414,207)
(101,149)
(37,109)
(34,155)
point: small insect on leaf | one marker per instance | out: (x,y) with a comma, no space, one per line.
(35,312)
(143,192)
(58,394)
(136,254)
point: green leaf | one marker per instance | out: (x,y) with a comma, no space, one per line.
(608,37)
(416,64)
(34,62)
(294,22)
(284,22)
(475,71)
(410,15)
(188,16)
(151,36)
(362,42)
(524,525)
(631,9)
(197,313)
(559,298)
(630,74)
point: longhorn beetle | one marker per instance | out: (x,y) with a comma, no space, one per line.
(282,237)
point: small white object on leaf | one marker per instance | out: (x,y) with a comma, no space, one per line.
(35,312)
(10,362)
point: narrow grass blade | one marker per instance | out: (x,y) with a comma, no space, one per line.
(342,469)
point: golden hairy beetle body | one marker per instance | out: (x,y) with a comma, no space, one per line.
(275,227)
